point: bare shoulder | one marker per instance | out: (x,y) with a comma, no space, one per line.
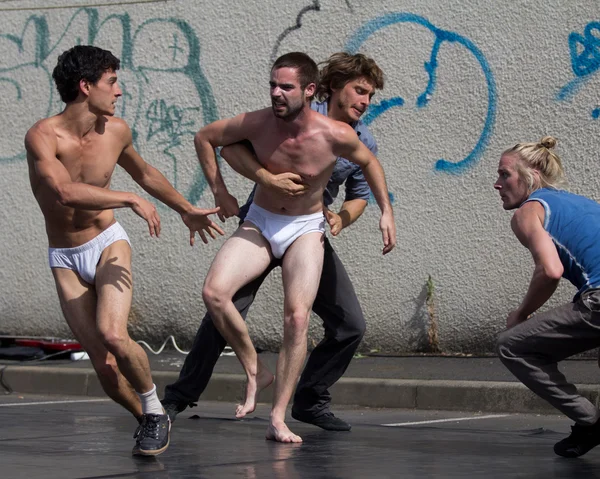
(338,131)
(250,123)
(256,118)
(118,127)
(116,124)
(529,214)
(42,130)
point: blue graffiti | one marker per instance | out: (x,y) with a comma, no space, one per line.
(585,61)
(378,109)
(373,201)
(375,110)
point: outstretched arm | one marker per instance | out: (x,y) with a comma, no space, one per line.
(350,147)
(154,183)
(527,224)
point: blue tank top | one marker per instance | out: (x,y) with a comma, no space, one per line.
(573,223)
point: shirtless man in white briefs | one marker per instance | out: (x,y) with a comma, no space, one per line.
(288,137)
(71,158)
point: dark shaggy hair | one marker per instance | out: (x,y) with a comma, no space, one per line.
(82,62)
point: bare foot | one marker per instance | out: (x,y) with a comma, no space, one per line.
(263,379)
(281,433)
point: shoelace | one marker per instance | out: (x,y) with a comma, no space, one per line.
(148,428)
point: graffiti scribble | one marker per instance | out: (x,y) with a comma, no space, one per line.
(176,47)
(585,61)
(363,33)
(168,119)
(316,6)
(168,122)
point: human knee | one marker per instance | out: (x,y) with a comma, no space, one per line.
(116,342)
(504,345)
(213,296)
(355,329)
(296,322)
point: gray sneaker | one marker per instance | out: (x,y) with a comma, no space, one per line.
(152,435)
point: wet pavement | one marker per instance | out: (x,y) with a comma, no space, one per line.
(74,437)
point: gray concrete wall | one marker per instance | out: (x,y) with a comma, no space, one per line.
(465,80)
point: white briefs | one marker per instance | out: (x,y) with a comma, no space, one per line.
(84,259)
(282,230)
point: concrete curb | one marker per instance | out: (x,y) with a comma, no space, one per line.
(486,396)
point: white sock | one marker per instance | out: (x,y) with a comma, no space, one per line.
(150,402)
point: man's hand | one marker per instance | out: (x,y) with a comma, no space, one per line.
(388,230)
(334,220)
(197,220)
(146,210)
(514,318)
(287,184)
(226,205)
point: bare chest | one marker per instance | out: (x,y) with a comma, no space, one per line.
(309,156)
(90,161)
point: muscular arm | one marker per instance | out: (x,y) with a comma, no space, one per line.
(350,147)
(351,210)
(154,183)
(348,214)
(527,224)
(242,159)
(149,178)
(41,146)
(220,133)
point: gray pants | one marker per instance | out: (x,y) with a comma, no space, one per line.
(532,350)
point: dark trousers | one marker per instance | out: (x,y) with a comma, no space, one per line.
(337,305)
(532,350)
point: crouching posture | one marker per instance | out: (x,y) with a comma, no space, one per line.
(561,231)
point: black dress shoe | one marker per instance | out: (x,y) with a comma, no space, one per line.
(326,421)
(581,440)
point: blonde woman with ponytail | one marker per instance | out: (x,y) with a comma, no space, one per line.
(562,232)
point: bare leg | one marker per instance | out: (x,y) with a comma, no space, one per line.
(242,258)
(114,287)
(300,284)
(78,301)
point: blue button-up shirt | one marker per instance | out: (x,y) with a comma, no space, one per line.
(344,171)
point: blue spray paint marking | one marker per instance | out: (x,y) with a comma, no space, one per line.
(595,113)
(585,61)
(373,201)
(376,24)
(376,109)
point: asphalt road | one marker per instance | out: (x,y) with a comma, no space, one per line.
(73,437)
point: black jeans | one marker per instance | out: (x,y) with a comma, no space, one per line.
(337,305)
